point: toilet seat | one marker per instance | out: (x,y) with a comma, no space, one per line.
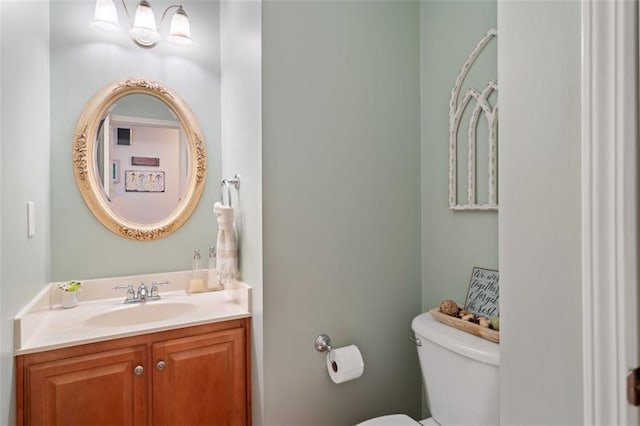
(397,420)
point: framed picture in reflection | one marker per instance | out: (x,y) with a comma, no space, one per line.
(143,181)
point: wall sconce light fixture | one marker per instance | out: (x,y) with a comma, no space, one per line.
(143,30)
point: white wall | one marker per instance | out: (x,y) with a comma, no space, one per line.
(341,185)
(24,156)
(147,141)
(539,222)
(241,99)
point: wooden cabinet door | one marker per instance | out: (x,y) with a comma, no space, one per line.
(201,380)
(96,389)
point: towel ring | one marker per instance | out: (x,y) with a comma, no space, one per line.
(228,183)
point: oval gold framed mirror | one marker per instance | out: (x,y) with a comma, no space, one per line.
(139,159)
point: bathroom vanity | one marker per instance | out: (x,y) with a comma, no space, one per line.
(104,362)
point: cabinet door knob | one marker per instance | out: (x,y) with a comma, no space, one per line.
(161,365)
(138,370)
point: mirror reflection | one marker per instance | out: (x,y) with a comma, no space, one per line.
(142,158)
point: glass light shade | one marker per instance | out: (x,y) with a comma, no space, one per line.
(180,31)
(105,17)
(144,31)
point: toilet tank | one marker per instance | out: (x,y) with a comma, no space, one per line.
(460,374)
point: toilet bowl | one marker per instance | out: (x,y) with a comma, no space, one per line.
(460,375)
(398,420)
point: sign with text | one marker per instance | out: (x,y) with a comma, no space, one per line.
(482,297)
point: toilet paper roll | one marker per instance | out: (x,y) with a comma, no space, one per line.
(344,364)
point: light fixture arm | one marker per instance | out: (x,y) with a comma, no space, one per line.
(126,9)
(180,10)
(178,6)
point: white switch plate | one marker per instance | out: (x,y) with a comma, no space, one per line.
(31,219)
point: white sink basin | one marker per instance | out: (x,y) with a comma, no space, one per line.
(44,325)
(140,313)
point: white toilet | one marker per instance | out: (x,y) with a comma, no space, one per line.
(460,373)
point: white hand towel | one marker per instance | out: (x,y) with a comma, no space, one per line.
(226,245)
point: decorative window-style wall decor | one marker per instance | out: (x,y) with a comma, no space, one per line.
(481,106)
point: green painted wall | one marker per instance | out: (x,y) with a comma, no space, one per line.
(24,171)
(341,191)
(452,242)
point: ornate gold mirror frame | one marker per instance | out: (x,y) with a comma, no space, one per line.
(84,159)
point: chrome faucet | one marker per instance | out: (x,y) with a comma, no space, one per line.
(143,294)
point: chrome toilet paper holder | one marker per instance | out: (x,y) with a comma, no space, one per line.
(323,343)
(343,364)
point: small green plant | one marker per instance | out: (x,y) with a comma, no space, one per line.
(70,286)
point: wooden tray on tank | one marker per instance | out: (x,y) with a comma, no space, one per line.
(484,332)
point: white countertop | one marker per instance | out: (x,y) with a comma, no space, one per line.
(43,324)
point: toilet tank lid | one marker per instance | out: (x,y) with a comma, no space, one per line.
(425,326)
